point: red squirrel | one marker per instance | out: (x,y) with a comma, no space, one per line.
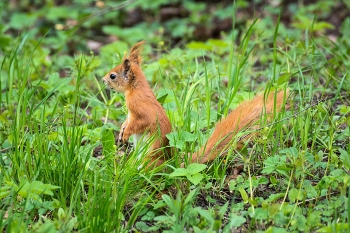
(146,115)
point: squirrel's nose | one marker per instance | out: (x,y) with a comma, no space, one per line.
(105,81)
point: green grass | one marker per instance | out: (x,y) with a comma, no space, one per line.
(296,173)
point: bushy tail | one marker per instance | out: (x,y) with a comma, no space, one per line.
(246,116)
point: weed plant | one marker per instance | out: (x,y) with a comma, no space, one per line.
(62,171)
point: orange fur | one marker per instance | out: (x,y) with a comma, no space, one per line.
(246,115)
(146,115)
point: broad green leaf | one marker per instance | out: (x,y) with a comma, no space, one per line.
(219,43)
(195,179)
(40,188)
(163,218)
(188,137)
(174,140)
(33,189)
(262,180)
(161,99)
(194,168)
(61,214)
(159,204)
(294,195)
(4,193)
(345,157)
(148,216)
(199,46)
(276,164)
(301,223)
(275,230)
(243,194)
(337,173)
(314,218)
(310,190)
(167,199)
(142,226)
(232,184)
(108,141)
(132,34)
(73,223)
(270,164)
(208,185)
(236,220)
(284,78)
(116,47)
(320,26)
(21,20)
(273,208)
(291,151)
(274,197)
(61,12)
(178,172)
(205,214)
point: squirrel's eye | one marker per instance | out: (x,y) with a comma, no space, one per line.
(113,76)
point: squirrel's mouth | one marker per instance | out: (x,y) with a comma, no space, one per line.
(106,83)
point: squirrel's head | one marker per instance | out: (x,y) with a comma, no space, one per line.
(124,76)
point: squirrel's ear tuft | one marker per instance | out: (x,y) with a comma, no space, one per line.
(135,51)
(126,65)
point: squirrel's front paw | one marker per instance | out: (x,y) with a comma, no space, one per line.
(123,137)
(119,140)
